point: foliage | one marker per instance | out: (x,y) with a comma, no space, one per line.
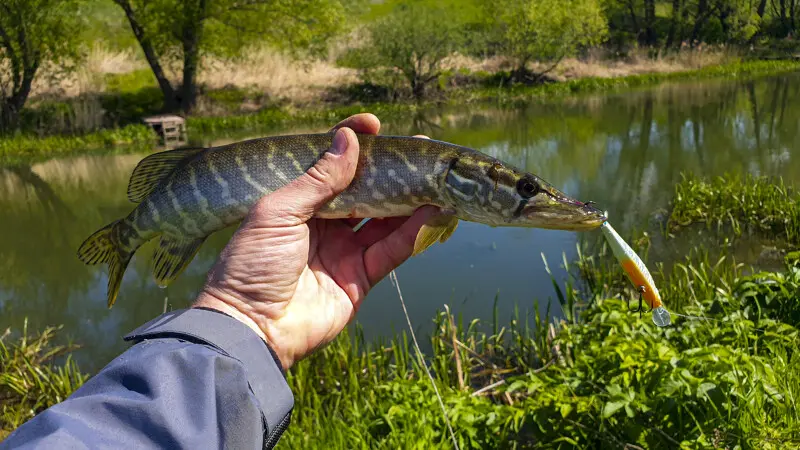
(772,296)
(176,34)
(725,377)
(743,203)
(27,148)
(673,24)
(131,96)
(521,93)
(546,30)
(33,33)
(608,381)
(29,381)
(412,39)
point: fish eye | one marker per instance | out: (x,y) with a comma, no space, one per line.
(527,188)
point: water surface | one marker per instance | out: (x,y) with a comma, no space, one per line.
(624,151)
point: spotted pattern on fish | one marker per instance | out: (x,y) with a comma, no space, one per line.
(186,195)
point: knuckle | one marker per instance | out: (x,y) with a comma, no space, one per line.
(321,174)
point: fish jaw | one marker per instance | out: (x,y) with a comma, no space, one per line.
(555,211)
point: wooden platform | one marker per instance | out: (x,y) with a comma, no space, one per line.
(171,129)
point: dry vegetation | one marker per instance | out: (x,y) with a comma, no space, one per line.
(275,74)
(638,63)
(276,77)
(89,76)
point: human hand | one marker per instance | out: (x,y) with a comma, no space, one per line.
(298,281)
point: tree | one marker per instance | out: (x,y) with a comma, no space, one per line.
(413,39)
(32,33)
(178,33)
(547,31)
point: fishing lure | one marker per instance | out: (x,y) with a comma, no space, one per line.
(638,274)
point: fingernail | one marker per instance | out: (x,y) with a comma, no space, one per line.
(339,143)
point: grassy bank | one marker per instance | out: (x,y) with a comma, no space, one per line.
(29,381)
(600,378)
(741,204)
(737,70)
(25,147)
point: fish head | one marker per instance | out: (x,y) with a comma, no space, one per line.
(484,190)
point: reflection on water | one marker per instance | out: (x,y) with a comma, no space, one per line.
(623,151)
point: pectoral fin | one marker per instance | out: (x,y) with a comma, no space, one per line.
(436,229)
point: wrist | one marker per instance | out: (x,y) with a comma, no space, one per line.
(219,303)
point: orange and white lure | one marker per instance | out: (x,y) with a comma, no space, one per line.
(638,274)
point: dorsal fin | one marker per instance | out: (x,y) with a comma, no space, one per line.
(154,168)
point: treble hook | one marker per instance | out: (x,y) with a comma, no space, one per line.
(641,296)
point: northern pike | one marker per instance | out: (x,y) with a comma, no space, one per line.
(184,195)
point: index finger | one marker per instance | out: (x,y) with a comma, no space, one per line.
(364,123)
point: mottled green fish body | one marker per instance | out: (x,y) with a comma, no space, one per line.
(185,195)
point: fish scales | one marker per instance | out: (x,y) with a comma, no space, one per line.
(185,195)
(230,180)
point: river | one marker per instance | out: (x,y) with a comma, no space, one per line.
(625,151)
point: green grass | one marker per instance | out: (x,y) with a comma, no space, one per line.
(522,93)
(608,380)
(135,95)
(273,118)
(604,378)
(743,204)
(29,381)
(21,148)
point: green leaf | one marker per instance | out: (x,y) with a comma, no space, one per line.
(612,407)
(704,388)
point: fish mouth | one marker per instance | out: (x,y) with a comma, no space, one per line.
(553,210)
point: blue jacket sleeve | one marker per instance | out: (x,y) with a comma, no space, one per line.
(194,378)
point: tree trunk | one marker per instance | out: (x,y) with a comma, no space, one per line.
(171,102)
(192,32)
(634,21)
(702,8)
(414,80)
(23,71)
(762,6)
(188,97)
(418,89)
(649,22)
(784,19)
(12,107)
(724,13)
(674,25)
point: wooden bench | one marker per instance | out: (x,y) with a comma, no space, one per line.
(171,129)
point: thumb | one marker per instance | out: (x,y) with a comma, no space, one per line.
(297,202)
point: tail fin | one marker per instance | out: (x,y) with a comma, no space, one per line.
(103,247)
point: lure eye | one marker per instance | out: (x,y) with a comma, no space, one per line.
(527,188)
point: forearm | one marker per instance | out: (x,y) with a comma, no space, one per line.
(193,379)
